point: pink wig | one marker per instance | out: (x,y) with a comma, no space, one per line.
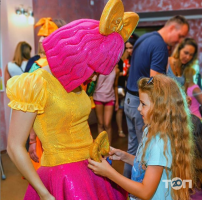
(77,50)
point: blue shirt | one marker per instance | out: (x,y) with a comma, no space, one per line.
(31,62)
(154,156)
(150,52)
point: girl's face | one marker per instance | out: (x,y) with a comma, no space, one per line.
(129,48)
(41,49)
(186,54)
(145,106)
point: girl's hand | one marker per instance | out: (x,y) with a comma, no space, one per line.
(116,154)
(102,168)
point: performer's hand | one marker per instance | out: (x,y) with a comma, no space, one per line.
(48,196)
(101,168)
(32,152)
(116,154)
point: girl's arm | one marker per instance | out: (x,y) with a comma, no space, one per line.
(17,137)
(116,88)
(198,95)
(6,75)
(144,190)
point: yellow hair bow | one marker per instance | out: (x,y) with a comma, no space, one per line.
(113,19)
(47,26)
(100,147)
(42,62)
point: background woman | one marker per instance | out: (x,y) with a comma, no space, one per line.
(123,66)
(18,64)
(105,98)
(184,55)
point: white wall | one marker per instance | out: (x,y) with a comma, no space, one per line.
(13,30)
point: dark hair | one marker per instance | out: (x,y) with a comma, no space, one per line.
(26,49)
(179,19)
(22,51)
(59,22)
(133,38)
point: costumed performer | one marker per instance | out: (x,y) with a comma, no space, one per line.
(52,101)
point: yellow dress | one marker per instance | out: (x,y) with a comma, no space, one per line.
(60,134)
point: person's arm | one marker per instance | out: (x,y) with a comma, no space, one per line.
(197,93)
(144,190)
(153,73)
(159,59)
(17,138)
(116,88)
(6,75)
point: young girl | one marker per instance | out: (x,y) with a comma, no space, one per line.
(166,148)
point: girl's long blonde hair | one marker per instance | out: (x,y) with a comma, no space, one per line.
(170,118)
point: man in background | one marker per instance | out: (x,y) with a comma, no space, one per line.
(150,57)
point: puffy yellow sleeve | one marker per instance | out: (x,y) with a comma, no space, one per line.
(27,93)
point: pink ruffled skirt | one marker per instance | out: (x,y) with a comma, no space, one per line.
(75,181)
